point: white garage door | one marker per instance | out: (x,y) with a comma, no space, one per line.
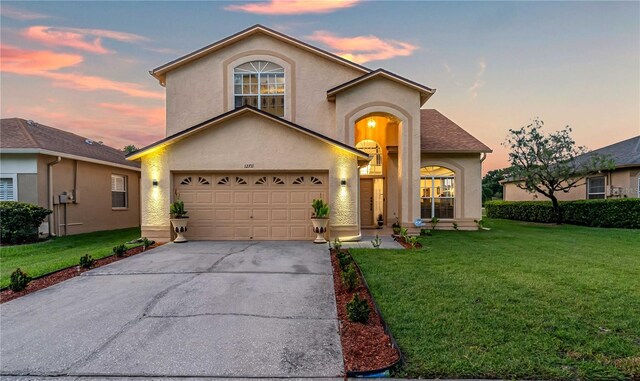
(258,206)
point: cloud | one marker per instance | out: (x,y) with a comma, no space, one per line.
(292,7)
(361,49)
(148,117)
(479,82)
(20,61)
(89,40)
(45,63)
(20,14)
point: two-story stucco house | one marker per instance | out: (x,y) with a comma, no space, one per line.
(259,124)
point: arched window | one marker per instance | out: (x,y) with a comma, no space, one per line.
(259,84)
(373,149)
(437,192)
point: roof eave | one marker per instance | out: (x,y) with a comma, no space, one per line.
(425,92)
(232,114)
(487,150)
(42,151)
(160,71)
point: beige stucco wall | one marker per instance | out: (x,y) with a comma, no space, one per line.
(468,183)
(92,210)
(380,95)
(269,146)
(203,89)
(626,179)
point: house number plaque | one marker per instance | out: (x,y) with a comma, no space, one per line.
(249,165)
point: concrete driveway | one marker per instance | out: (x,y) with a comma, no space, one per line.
(199,309)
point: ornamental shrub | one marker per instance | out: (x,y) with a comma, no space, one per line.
(119,250)
(609,213)
(358,310)
(344,260)
(19,280)
(350,278)
(87,262)
(19,221)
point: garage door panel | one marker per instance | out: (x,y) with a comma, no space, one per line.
(240,206)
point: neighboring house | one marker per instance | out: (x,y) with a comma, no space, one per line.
(259,124)
(87,185)
(623,181)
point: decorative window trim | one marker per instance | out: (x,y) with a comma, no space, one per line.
(261,181)
(14,184)
(596,195)
(241,181)
(223,180)
(186,181)
(278,181)
(315,181)
(298,181)
(203,181)
(262,55)
(115,187)
(265,72)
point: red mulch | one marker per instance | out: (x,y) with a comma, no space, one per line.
(365,347)
(64,274)
(406,244)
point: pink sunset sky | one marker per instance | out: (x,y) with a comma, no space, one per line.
(83,66)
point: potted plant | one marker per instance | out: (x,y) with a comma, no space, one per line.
(320,220)
(380,220)
(179,220)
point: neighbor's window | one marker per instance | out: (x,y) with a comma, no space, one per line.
(259,84)
(373,149)
(7,189)
(118,191)
(437,192)
(595,187)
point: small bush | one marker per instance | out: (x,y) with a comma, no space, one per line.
(119,250)
(19,280)
(425,232)
(358,310)
(344,260)
(337,244)
(350,278)
(413,241)
(19,221)
(87,262)
(146,243)
(610,213)
(376,242)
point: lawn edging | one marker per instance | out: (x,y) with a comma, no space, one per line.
(47,280)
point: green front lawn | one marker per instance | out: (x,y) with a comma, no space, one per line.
(55,254)
(523,300)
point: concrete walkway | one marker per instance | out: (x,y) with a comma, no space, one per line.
(199,309)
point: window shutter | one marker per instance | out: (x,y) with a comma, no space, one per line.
(6,190)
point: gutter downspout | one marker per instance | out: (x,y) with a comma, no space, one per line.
(50,192)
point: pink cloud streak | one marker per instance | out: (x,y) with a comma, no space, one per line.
(292,7)
(361,49)
(89,40)
(20,14)
(44,63)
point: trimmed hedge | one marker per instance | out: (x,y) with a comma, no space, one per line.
(610,213)
(19,221)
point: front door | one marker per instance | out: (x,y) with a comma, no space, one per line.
(366,202)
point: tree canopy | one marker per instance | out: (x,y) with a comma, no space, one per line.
(130,148)
(551,163)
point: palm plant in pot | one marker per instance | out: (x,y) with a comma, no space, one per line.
(320,219)
(179,220)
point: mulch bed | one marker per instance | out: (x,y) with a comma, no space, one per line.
(365,347)
(68,273)
(405,244)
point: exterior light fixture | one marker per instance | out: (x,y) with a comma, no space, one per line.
(371,123)
(343,182)
(155,183)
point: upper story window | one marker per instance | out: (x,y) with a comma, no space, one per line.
(375,165)
(259,84)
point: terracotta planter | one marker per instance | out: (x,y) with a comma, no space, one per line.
(180,227)
(320,227)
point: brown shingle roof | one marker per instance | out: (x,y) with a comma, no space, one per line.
(440,134)
(16,133)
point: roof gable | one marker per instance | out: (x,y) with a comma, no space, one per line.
(425,92)
(440,134)
(19,135)
(233,114)
(161,71)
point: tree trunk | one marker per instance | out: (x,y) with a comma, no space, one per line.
(556,209)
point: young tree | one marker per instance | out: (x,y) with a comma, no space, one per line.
(130,148)
(549,164)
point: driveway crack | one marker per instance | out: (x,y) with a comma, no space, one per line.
(213,266)
(147,308)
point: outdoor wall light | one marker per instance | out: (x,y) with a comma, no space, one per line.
(154,183)
(343,182)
